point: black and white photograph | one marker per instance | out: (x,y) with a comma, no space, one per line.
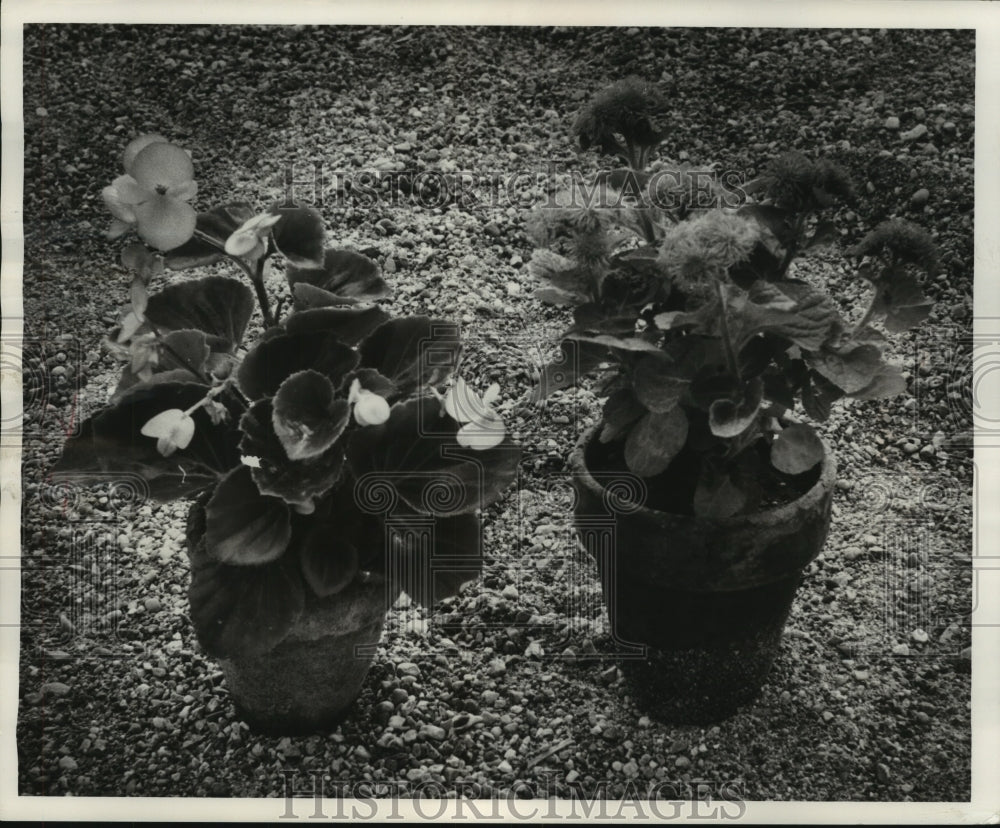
(555,418)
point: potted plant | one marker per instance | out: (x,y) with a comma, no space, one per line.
(703,493)
(334,463)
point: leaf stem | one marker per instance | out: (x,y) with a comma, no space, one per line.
(727,339)
(256,276)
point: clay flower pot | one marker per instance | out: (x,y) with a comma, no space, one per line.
(309,681)
(707,598)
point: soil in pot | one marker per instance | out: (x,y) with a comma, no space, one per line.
(706,598)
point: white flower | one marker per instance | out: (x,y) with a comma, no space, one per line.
(247,239)
(369,407)
(482,427)
(173,429)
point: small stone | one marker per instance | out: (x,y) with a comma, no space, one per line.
(827,716)
(438,734)
(682,762)
(408,668)
(510,592)
(399,696)
(505,766)
(882,773)
(678,746)
(492,229)
(901,650)
(861,675)
(396,722)
(68,763)
(609,675)
(920,197)
(919,636)
(892,122)
(644,721)
(55,688)
(384,710)
(490,697)
(919,131)
(361,753)
(497,667)
(572,776)
(928,452)
(152,604)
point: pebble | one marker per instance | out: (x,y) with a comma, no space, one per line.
(504,766)
(882,773)
(497,667)
(438,734)
(408,668)
(892,122)
(68,763)
(901,650)
(153,604)
(399,696)
(919,636)
(682,762)
(510,592)
(55,688)
(919,131)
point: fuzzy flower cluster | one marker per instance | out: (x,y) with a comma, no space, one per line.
(797,183)
(628,106)
(696,254)
(902,240)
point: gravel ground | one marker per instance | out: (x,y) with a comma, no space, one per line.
(511,683)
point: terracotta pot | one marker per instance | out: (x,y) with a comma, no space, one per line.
(310,680)
(706,600)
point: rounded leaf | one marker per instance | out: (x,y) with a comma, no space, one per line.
(796,449)
(306,417)
(244,527)
(655,441)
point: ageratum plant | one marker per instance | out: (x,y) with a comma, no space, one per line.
(710,336)
(284,441)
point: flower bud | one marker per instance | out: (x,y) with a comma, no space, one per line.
(369,407)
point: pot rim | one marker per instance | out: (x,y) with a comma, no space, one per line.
(776,514)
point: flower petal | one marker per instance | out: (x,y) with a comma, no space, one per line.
(119,209)
(129,191)
(185,191)
(137,146)
(370,408)
(241,243)
(162,165)
(463,404)
(482,434)
(164,222)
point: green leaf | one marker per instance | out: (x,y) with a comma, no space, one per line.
(576,359)
(349,325)
(111,442)
(818,395)
(900,298)
(620,411)
(277,357)
(414,352)
(307,418)
(887,381)
(329,560)
(849,368)
(779,221)
(716,495)
(557,297)
(295,482)
(217,305)
(416,453)
(244,527)
(240,611)
(796,449)
(299,236)
(659,383)
(451,556)
(218,224)
(794,311)
(728,419)
(655,441)
(617,343)
(344,277)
